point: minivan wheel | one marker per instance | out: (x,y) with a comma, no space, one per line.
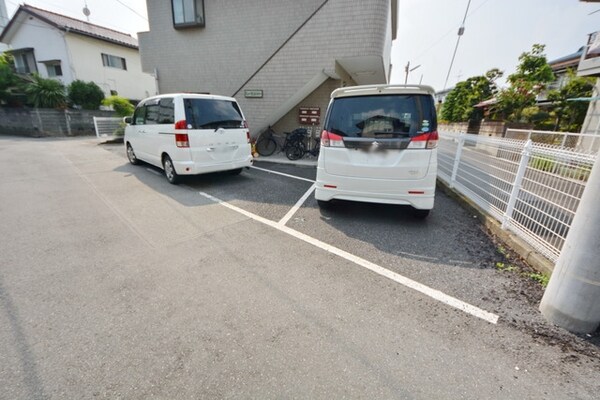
(324,205)
(420,214)
(131,155)
(170,172)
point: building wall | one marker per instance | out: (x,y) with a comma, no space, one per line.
(48,44)
(319,98)
(240,36)
(87,65)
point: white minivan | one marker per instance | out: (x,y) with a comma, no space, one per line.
(379,145)
(189,134)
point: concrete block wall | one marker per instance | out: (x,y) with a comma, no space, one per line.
(48,122)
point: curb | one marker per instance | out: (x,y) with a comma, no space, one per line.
(531,256)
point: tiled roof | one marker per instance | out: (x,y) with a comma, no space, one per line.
(73,25)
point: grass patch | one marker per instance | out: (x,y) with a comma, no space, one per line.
(542,279)
(505,267)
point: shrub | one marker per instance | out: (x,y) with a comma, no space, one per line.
(46,93)
(121,105)
(88,95)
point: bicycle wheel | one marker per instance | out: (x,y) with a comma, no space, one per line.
(266,146)
(295,151)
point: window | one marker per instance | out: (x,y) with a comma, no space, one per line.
(139,115)
(166,111)
(213,114)
(24,61)
(152,111)
(54,70)
(188,13)
(382,116)
(113,61)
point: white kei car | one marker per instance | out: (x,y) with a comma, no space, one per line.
(379,144)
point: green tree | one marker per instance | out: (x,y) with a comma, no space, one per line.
(9,81)
(459,103)
(571,114)
(46,93)
(88,95)
(532,76)
(121,105)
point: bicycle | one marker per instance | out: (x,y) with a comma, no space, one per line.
(298,149)
(268,143)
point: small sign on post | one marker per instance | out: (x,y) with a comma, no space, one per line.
(309,115)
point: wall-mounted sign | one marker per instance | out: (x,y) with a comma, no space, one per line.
(253,93)
(309,115)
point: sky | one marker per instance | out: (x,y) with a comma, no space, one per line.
(496,32)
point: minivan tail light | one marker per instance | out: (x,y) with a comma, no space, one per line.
(247,131)
(424,141)
(329,139)
(181,124)
(181,140)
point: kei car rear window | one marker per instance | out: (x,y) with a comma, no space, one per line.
(382,116)
(213,114)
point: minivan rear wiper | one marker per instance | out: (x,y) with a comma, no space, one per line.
(226,123)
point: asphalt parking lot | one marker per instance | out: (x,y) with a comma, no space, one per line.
(115,284)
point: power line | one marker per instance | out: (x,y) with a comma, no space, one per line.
(132,10)
(446,34)
(461,30)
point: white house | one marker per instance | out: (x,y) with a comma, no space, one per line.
(64,48)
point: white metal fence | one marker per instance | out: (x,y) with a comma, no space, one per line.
(105,127)
(532,188)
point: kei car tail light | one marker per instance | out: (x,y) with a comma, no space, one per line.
(424,141)
(329,139)
(182,140)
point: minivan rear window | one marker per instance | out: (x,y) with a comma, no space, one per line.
(382,116)
(213,114)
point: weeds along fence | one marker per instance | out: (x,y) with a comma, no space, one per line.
(532,188)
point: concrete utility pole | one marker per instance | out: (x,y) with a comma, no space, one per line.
(572,298)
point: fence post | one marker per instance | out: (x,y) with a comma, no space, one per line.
(68,119)
(459,147)
(39,117)
(525,154)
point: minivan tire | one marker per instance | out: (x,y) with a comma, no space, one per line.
(236,171)
(420,214)
(324,205)
(131,155)
(170,172)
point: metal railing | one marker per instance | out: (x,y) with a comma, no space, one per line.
(581,142)
(533,189)
(105,127)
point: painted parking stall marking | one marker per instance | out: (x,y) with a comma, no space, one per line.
(282,174)
(426,290)
(297,206)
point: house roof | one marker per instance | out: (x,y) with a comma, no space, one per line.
(570,60)
(72,25)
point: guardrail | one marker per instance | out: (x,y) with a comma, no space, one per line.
(533,189)
(105,127)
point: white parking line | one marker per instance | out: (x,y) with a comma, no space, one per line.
(297,206)
(426,290)
(281,173)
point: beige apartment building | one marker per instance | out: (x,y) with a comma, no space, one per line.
(279,58)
